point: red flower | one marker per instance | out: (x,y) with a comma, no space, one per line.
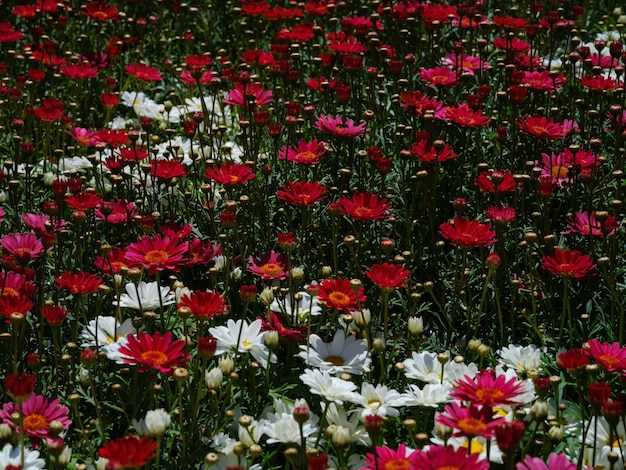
(15,304)
(20,386)
(428,153)
(302,193)
(467,233)
(158,253)
(336,126)
(55,315)
(113,262)
(229,174)
(572,360)
(305,153)
(540,126)
(83,201)
(23,246)
(541,81)
(50,110)
(599,392)
(501,215)
(78,283)
(168,169)
(609,356)
(143,72)
(339,294)
(599,83)
(202,251)
(157,352)
(568,263)
(100,11)
(440,458)
(509,435)
(464,116)
(417,104)
(128,452)
(79,71)
(364,207)
(250,92)
(275,322)
(439,76)
(204,305)
(586,223)
(388,276)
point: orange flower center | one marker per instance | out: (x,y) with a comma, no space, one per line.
(339,298)
(155,358)
(489,394)
(539,130)
(233,179)
(335,360)
(10,292)
(156,256)
(397,464)
(271,269)
(362,211)
(35,422)
(305,156)
(610,360)
(559,172)
(471,426)
(340,129)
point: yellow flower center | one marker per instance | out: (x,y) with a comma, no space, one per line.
(397,464)
(489,394)
(476,447)
(471,426)
(305,156)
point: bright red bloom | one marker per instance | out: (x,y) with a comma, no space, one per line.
(509,434)
(541,126)
(501,215)
(302,193)
(465,116)
(78,283)
(488,389)
(568,263)
(339,294)
(113,262)
(202,251)
(157,352)
(55,315)
(418,104)
(270,265)
(143,72)
(50,110)
(443,76)
(364,207)
(389,459)
(83,201)
(388,276)
(120,212)
(511,44)
(23,246)
(428,154)
(447,458)
(229,174)
(336,126)
(12,304)
(572,360)
(114,138)
(468,233)
(16,285)
(128,452)
(305,153)
(469,421)
(158,253)
(609,356)
(599,392)
(253,93)
(204,305)
(275,322)
(350,46)
(168,169)
(20,386)
(79,71)
(101,11)
(542,81)
(599,83)
(8,34)
(510,23)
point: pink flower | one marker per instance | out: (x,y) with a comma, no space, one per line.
(386,457)
(268,266)
(336,126)
(156,352)
(610,357)
(85,137)
(440,457)
(488,389)
(469,421)
(24,246)
(254,92)
(555,462)
(158,253)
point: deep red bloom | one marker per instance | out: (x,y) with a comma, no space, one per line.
(83,201)
(388,276)
(364,207)
(55,315)
(572,360)
(253,93)
(204,305)
(468,233)
(599,83)
(101,11)
(339,294)
(442,75)
(302,193)
(418,104)
(128,452)
(275,322)
(156,352)
(599,392)
(541,126)
(158,253)
(501,215)
(50,110)
(20,386)
(568,263)
(202,251)
(168,169)
(113,262)
(509,434)
(143,72)
(229,174)
(79,71)
(464,116)
(428,154)
(78,283)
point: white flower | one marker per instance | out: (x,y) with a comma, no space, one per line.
(145,296)
(214,378)
(338,416)
(157,421)
(282,427)
(250,340)
(423,366)
(527,394)
(379,400)
(331,388)
(342,354)
(230,461)
(74,164)
(103,331)
(455,371)
(223,443)
(252,433)
(432,395)
(302,309)
(12,456)
(520,358)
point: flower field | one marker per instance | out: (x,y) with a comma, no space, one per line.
(263,234)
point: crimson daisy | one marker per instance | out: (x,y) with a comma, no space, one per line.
(388,276)
(541,126)
(496,181)
(242,94)
(464,116)
(338,293)
(428,154)
(83,201)
(168,169)
(143,72)
(54,315)
(542,81)
(128,452)
(469,421)
(305,153)
(587,224)
(572,360)
(417,104)
(302,193)
(229,174)
(489,389)
(20,386)
(467,233)
(100,11)
(599,83)
(113,262)
(609,356)
(364,207)
(501,215)
(157,352)
(79,71)
(568,263)
(158,253)
(443,76)
(15,304)
(23,246)
(336,126)
(78,283)
(270,265)
(204,305)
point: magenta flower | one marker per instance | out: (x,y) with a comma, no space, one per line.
(24,246)
(336,126)
(268,266)
(555,462)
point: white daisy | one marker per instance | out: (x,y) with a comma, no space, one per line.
(331,388)
(338,416)
(250,340)
(103,331)
(12,456)
(431,395)
(455,371)
(145,296)
(520,358)
(379,400)
(252,433)
(283,428)
(302,309)
(349,355)
(423,366)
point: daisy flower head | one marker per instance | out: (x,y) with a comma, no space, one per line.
(269,266)
(143,72)
(568,263)
(342,355)
(145,296)
(330,388)
(23,246)
(128,452)
(610,357)
(157,253)
(379,400)
(338,293)
(556,461)
(364,207)
(489,389)
(337,127)
(11,458)
(520,358)
(388,459)
(229,174)
(302,193)
(439,457)
(103,331)
(469,421)
(468,233)
(79,283)
(302,308)
(542,127)
(587,224)
(242,338)
(430,396)
(204,305)
(388,276)
(38,412)
(157,352)
(304,153)
(423,366)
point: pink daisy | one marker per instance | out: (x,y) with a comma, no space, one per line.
(440,458)
(336,126)
(39,411)
(469,421)
(157,352)
(268,266)
(386,458)
(305,153)
(158,253)
(555,462)
(610,357)
(488,389)
(24,246)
